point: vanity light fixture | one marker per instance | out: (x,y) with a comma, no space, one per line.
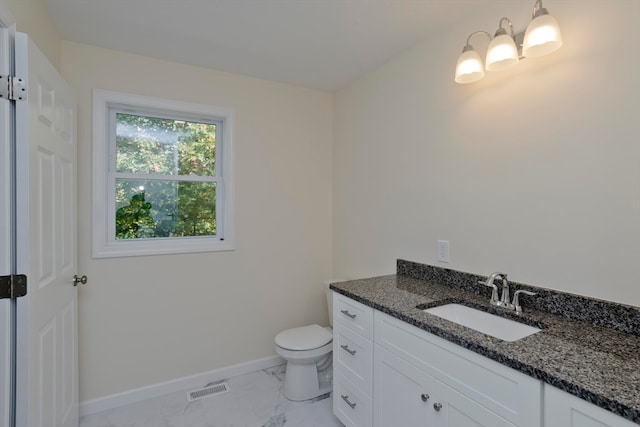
(502,51)
(470,68)
(541,37)
(543,33)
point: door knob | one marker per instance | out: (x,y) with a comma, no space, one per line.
(77,279)
(437,406)
(424,397)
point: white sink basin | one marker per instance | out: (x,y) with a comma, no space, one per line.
(487,323)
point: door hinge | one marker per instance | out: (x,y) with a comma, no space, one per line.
(13,286)
(13,88)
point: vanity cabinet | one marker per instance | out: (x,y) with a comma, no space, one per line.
(423,380)
(352,362)
(562,409)
(389,373)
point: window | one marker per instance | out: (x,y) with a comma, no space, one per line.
(162,179)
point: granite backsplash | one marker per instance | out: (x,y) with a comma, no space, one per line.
(621,317)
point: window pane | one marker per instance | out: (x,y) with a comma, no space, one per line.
(158,208)
(164,146)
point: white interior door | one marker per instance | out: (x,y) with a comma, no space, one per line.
(6,208)
(47,385)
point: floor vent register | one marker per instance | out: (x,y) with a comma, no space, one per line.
(209,390)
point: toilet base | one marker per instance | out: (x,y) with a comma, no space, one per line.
(304,381)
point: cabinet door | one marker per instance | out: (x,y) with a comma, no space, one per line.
(454,409)
(565,410)
(403,394)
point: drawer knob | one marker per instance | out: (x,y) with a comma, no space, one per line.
(346,313)
(345,397)
(424,397)
(437,406)
(348,350)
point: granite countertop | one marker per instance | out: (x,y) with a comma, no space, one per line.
(595,363)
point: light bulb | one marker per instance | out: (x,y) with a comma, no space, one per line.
(502,52)
(469,68)
(543,35)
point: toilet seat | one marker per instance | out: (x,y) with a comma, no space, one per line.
(303,338)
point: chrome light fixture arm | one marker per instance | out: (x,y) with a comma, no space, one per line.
(501,29)
(468,46)
(538,9)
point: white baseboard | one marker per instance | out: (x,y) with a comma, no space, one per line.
(185,383)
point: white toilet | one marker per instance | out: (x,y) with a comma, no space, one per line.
(307,351)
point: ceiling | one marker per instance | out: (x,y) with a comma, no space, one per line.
(319,44)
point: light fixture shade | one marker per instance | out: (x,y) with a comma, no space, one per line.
(469,68)
(542,37)
(502,53)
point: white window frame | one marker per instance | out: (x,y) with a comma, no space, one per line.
(105,244)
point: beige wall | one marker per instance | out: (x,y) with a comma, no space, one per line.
(32,18)
(533,171)
(145,320)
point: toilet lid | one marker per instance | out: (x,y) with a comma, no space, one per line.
(304,338)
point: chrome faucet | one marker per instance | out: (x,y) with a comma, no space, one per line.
(495,300)
(503,301)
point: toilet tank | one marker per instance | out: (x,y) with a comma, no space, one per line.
(329,293)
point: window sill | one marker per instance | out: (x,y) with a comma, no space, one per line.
(128,248)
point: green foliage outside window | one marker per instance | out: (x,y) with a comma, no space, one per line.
(158,204)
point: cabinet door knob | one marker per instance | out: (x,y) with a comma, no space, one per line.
(346,313)
(437,406)
(424,397)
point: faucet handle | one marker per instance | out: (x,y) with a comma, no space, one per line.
(516,299)
(494,293)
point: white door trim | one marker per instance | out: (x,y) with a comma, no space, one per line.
(22,239)
(7,307)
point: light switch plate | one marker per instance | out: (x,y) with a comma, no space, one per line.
(443,250)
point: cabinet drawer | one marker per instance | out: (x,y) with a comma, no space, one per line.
(354,315)
(350,404)
(353,357)
(509,393)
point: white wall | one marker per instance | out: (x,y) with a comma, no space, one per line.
(32,17)
(533,171)
(145,320)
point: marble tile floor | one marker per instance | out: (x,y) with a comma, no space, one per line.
(253,400)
